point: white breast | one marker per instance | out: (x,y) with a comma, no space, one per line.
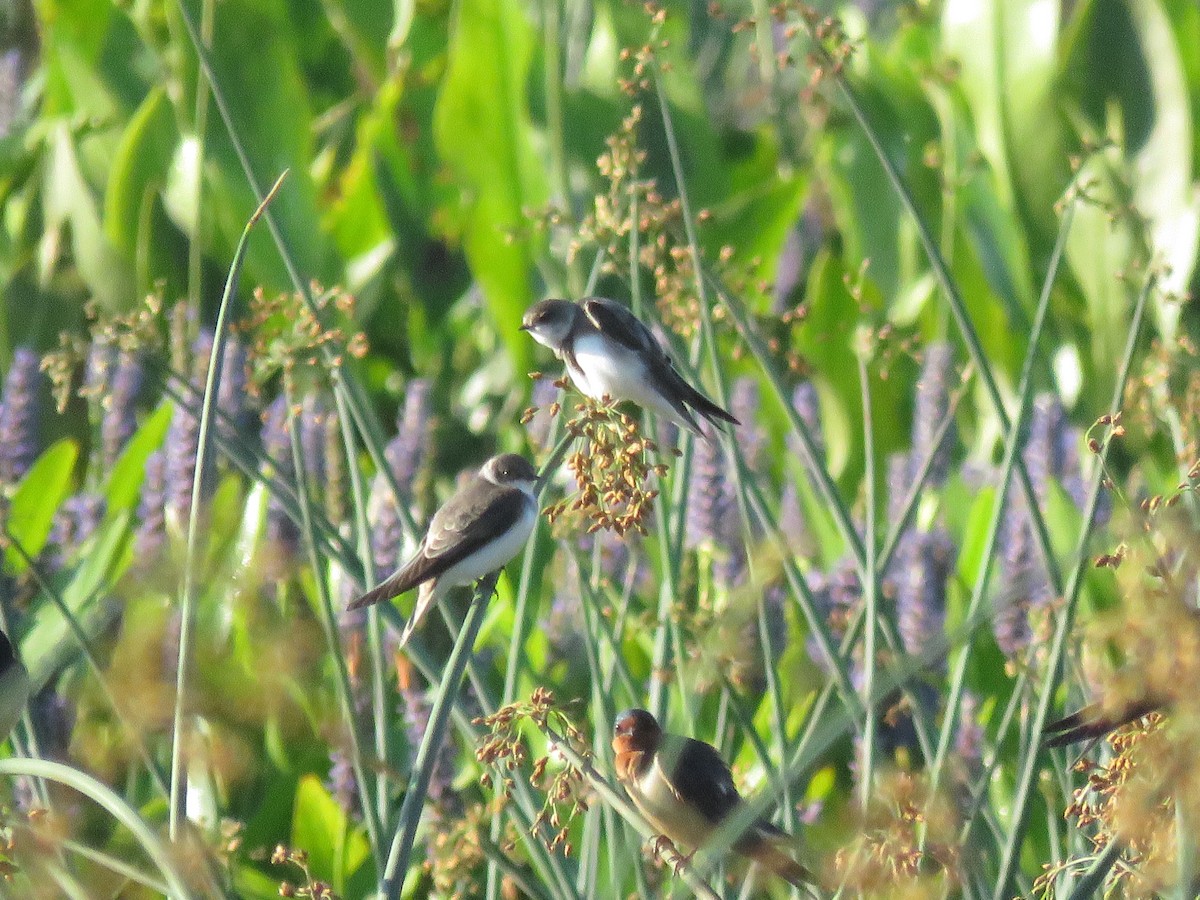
(494,555)
(679,821)
(605,367)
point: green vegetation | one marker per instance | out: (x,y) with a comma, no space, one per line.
(935,256)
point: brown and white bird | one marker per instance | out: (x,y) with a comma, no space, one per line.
(609,352)
(477,531)
(685,790)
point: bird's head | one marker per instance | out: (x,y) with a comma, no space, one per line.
(510,470)
(550,321)
(636,731)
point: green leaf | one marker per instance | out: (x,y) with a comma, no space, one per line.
(1163,186)
(69,200)
(37,498)
(139,167)
(1007,52)
(482,128)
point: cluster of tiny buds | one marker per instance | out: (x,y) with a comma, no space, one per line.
(1113,560)
(287,333)
(553,409)
(504,749)
(610,470)
(311,888)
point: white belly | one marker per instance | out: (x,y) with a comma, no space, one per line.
(605,367)
(677,820)
(493,556)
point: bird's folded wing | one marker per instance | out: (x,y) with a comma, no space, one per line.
(700,777)
(468,521)
(618,323)
(1093,721)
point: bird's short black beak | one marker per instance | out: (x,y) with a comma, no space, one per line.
(523,327)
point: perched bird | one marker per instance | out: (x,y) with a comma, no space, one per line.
(683,787)
(608,351)
(478,530)
(14,687)
(1093,722)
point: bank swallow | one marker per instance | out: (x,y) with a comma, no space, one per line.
(14,687)
(609,352)
(478,530)
(1093,721)
(684,789)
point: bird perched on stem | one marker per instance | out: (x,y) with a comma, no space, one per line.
(608,352)
(684,788)
(477,531)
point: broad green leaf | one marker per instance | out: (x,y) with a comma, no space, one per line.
(37,498)
(1099,249)
(139,168)
(69,200)
(1007,53)
(483,129)
(1163,183)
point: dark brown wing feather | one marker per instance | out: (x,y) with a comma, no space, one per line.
(700,777)
(466,522)
(621,325)
(1091,722)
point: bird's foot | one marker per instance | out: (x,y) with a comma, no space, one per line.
(664,848)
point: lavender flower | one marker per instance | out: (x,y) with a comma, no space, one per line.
(281,532)
(921,592)
(806,402)
(183,436)
(12,80)
(342,784)
(120,413)
(406,454)
(709,497)
(410,449)
(744,404)
(415,710)
(968,741)
(312,438)
(932,405)
(712,515)
(152,524)
(1024,577)
(74,522)
(1043,451)
(232,395)
(899,482)
(20,416)
(561,624)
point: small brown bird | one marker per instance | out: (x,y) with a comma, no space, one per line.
(477,531)
(684,788)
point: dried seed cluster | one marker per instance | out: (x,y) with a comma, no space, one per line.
(611,466)
(563,786)
(887,856)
